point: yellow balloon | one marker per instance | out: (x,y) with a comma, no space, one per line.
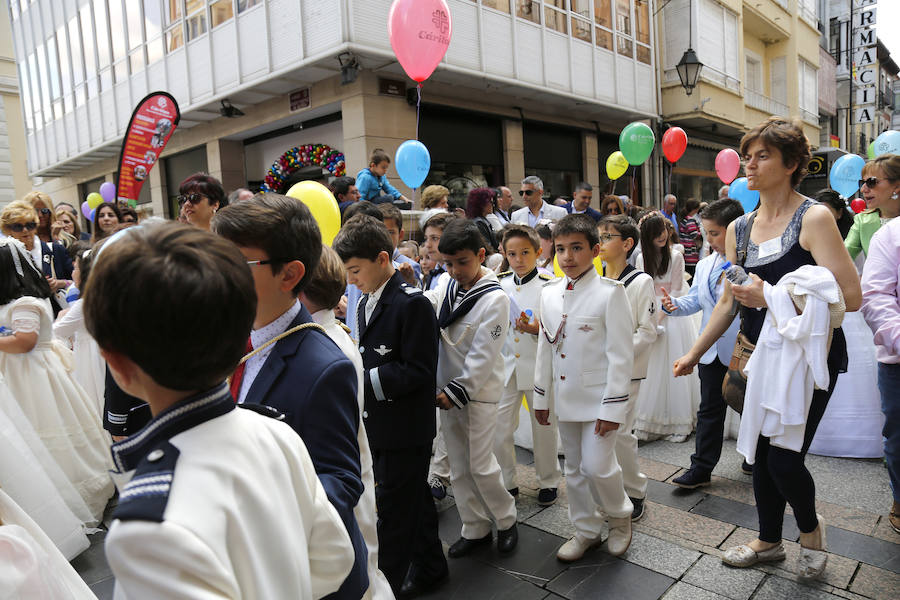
(321,203)
(598,264)
(94,200)
(616,165)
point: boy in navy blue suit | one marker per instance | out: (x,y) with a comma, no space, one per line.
(398,341)
(296,367)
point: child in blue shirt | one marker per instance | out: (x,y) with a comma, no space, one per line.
(372,182)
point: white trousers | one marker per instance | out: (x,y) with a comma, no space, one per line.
(593,477)
(474,472)
(627,450)
(546,464)
(440,466)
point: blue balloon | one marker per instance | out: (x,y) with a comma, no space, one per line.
(748,198)
(413,162)
(846,173)
(887,143)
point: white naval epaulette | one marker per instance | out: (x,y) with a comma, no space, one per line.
(552,281)
(546,277)
(507,274)
(608,280)
(147,494)
(410,290)
(264,410)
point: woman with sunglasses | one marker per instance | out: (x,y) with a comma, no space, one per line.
(20,220)
(612,205)
(880,188)
(200,196)
(106,221)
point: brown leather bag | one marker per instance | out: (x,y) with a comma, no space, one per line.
(734,385)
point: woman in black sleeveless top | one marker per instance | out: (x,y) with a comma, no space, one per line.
(788,231)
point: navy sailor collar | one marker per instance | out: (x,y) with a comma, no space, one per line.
(449,315)
(190,412)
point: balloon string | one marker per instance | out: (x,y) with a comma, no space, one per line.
(418,107)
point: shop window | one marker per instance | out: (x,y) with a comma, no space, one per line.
(246,4)
(220,11)
(501,5)
(529,10)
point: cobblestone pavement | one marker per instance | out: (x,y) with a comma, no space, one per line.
(675,554)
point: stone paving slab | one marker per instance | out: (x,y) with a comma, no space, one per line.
(778,588)
(884,531)
(709,573)
(554,519)
(863,548)
(673,496)
(876,583)
(697,528)
(658,471)
(91,564)
(660,555)
(610,579)
(686,591)
(740,514)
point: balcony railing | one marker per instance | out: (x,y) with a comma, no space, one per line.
(810,117)
(764,103)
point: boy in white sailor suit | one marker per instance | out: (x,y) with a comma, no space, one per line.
(222,502)
(584,363)
(473,316)
(523,286)
(618,237)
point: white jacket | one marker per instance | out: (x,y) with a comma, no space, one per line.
(642,299)
(548,212)
(520,348)
(790,359)
(470,361)
(585,360)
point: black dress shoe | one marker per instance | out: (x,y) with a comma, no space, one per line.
(507,539)
(547,496)
(746,468)
(638,510)
(414,587)
(692,479)
(464,546)
(513,491)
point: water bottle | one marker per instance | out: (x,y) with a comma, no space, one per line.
(735,274)
(529,314)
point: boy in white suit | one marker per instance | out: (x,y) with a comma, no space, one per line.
(618,237)
(473,316)
(523,286)
(584,363)
(703,295)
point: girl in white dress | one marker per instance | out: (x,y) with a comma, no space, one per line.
(37,369)
(666,407)
(90,368)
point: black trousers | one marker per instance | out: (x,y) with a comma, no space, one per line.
(780,476)
(710,417)
(408,540)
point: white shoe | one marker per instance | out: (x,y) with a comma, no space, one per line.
(812,562)
(744,556)
(619,535)
(576,547)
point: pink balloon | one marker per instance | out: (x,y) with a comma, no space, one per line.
(419,31)
(728,165)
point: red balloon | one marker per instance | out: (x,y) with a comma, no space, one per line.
(858,205)
(420,32)
(674,143)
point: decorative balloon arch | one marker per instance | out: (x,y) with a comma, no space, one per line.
(320,155)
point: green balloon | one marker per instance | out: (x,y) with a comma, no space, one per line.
(870,151)
(636,142)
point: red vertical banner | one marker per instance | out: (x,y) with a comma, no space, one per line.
(152,124)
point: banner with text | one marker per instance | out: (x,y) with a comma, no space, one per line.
(151,125)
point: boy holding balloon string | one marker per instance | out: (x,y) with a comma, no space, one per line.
(372,181)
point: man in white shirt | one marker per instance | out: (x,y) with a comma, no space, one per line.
(536,211)
(504,201)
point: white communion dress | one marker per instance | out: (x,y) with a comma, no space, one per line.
(666,406)
(63,416)
(90,368)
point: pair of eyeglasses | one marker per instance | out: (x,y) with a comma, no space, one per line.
(194,198)
(20,227)
(526,192)
(869,181)
(44,211)
(607,237)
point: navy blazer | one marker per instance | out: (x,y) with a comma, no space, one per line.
(596,215)
(56,254)
(309,379)
(399,348)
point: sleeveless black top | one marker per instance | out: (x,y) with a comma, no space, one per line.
(772,268)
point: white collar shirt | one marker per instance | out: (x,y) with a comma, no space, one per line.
(534,220)
(260,336)
(37,253)
(374,297)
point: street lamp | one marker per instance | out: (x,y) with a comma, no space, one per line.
(689,70)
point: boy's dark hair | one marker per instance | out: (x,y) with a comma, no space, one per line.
(362,237)
(379,156)
(575,224)
(128,304)
(441,220)
(522,231)
(281,227)
(329,281)
(363,207)
(459,235)
(722,212)
(624,226)
(13,287)
(389,211)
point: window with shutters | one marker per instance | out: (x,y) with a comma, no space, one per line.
(778,79)
(717,44)
(753,72)
(675,22)
(809,92)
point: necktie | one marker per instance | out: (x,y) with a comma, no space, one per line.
(238,377)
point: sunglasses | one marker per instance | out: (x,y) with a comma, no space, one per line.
(869,181)
(44,211)
(20,227)
(194,198)
(527,192)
